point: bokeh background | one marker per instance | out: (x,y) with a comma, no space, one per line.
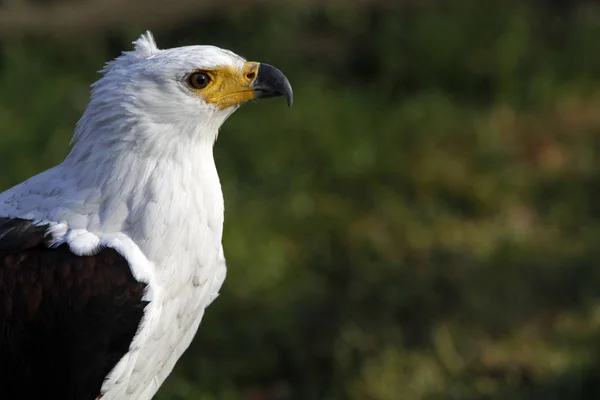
(424,223)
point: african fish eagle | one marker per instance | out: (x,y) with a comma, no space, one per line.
(108,260)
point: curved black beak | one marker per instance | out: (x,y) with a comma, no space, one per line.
(271,82)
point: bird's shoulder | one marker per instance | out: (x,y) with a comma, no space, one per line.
(62,314)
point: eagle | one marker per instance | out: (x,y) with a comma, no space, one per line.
(109,259)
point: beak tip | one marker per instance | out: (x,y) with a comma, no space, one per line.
(272,82)
(288,93)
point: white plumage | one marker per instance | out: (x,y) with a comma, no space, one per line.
(141,179)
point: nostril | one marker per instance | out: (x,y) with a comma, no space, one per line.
(251,75)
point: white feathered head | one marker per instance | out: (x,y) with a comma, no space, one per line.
(181,91)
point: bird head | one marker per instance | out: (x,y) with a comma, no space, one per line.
(154,95)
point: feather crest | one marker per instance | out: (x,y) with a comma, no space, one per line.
(144,47)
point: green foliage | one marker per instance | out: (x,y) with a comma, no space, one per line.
(422,224)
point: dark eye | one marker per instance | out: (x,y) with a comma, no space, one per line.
(199,80)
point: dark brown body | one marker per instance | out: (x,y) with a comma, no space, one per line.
(65,320)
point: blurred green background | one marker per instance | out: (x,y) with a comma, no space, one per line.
(424,223)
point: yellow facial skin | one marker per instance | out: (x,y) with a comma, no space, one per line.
(229,86)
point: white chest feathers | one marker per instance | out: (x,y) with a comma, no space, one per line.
(166,219)
(167,329)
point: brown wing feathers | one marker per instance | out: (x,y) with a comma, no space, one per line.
(65,320)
